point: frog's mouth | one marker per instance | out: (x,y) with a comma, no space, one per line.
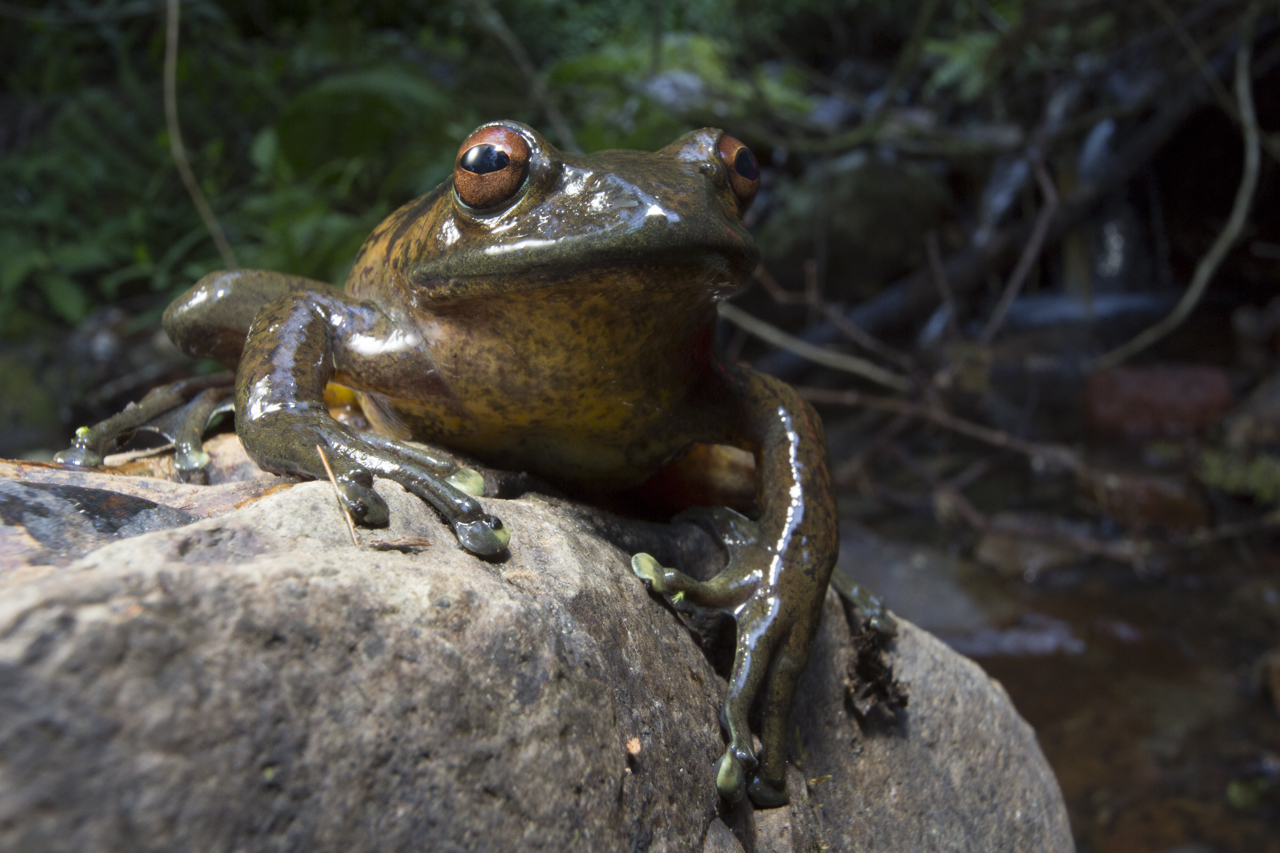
(709,275)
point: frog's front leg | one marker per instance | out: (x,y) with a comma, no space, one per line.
(776,578)
(296,345)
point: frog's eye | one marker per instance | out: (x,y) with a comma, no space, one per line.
(744,171)
(491,166)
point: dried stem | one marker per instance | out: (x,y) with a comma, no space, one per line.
(491,20)
(1054,455)
(176,147)
(834,316)
(1029,254)
(351,527)
(839,361)
(1235,224)
(943,283)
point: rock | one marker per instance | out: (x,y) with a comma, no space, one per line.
(1170,400)
(252,680)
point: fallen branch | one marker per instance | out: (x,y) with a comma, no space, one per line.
(1049,455)
(1030,254)
(818,355)
(916,293)
(868,342)
(491,20)
(1230,232)
(949,500)
(177,149)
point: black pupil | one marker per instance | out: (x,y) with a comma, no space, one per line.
(483,159)
(744,163)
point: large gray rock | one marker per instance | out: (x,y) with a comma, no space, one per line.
(253,681)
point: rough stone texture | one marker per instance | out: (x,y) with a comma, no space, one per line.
(251,681)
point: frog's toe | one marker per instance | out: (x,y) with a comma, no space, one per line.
(485,537)
(79,455)
(651,572)
(189,460)
(467,480)
(355,487)
(731,777)
(767,795)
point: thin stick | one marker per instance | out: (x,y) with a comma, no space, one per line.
(351,527)
(491,19)
(941,281)
(1230,232)
(1270,142)
(1030,254)
(818,355)
(833,316)
(177,149)
(1053,454)
(1129,551)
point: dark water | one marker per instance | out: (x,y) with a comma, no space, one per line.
(1145,692)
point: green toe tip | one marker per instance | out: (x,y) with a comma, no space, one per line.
(730,780)
(649,570)
(467,480)
(191,460)
(484,538)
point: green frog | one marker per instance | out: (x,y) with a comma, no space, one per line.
(545,312)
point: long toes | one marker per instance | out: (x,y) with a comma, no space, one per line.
(355,486)
(467,480)
(766,795)
(485,537)
(651,572)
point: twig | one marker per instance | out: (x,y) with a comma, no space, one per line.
(1029,254)
(916,293)
(818,355)
(1230,232)
(491,19)
(1050,454)
(833,316)
(907,60)
(1220,93)
(941,281)
(847,471)
(1129,551)
(351,527)
(177,149)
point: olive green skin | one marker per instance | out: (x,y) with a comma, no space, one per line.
(567,332)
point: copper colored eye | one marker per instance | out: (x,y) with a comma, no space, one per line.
(491,166)
(744,171)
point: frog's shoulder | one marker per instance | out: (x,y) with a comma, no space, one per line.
(399,237)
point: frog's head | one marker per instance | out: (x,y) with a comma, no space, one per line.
(519,214)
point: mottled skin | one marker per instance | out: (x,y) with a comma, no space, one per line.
(567,332)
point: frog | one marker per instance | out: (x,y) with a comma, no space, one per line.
(546,312)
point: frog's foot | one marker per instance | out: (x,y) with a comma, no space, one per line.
(180,411)
(773,643)
(872,610)
(291,441)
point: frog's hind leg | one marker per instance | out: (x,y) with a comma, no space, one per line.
(179,411)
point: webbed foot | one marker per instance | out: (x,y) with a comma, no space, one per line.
(287,441)
(776,613)
(180,411)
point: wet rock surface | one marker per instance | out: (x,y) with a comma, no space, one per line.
(251,680)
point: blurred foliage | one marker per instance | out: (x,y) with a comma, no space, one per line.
(307,122)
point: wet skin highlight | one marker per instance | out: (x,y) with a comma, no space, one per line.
(566,329)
